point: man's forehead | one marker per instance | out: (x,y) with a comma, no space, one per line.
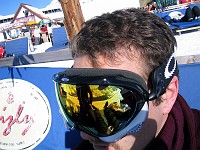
(134,65)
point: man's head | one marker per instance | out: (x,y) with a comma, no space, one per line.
(136,41)
(125,33)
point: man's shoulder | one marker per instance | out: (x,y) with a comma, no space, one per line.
(196,113)
(197,126)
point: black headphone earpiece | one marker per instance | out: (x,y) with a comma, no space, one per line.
(162,76)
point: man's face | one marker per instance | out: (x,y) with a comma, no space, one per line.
(155,119)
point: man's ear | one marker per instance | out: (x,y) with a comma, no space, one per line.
(169,97)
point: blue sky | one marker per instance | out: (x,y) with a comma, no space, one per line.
(8,7)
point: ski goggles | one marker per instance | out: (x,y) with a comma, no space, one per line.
(105,103)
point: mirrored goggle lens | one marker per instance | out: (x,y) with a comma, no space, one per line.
(98,110)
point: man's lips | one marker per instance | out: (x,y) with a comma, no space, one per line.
(100,147)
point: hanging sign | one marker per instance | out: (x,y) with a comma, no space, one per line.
(25,115)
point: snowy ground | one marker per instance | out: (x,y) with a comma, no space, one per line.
(40,48)
(188,43)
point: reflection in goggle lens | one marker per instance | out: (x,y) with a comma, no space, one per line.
(100,110)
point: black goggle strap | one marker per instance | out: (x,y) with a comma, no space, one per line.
(162,76)
(104,77)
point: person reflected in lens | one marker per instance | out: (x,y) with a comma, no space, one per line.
(139,42)
(85,100)
(89,115)
(109,113)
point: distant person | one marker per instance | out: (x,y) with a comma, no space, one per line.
(50,32)
(36,34)
(13,33)
(177,16)
(184,1)
(2,51)
(196,12)
(28,35)
(151,6)
(191,14)
(44,33)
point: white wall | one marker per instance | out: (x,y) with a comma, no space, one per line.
(1,37)
(92,8)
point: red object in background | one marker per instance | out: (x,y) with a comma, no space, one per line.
(44,29)
(1,51)
(184,1)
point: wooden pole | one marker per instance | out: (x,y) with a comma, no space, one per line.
(73,17)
